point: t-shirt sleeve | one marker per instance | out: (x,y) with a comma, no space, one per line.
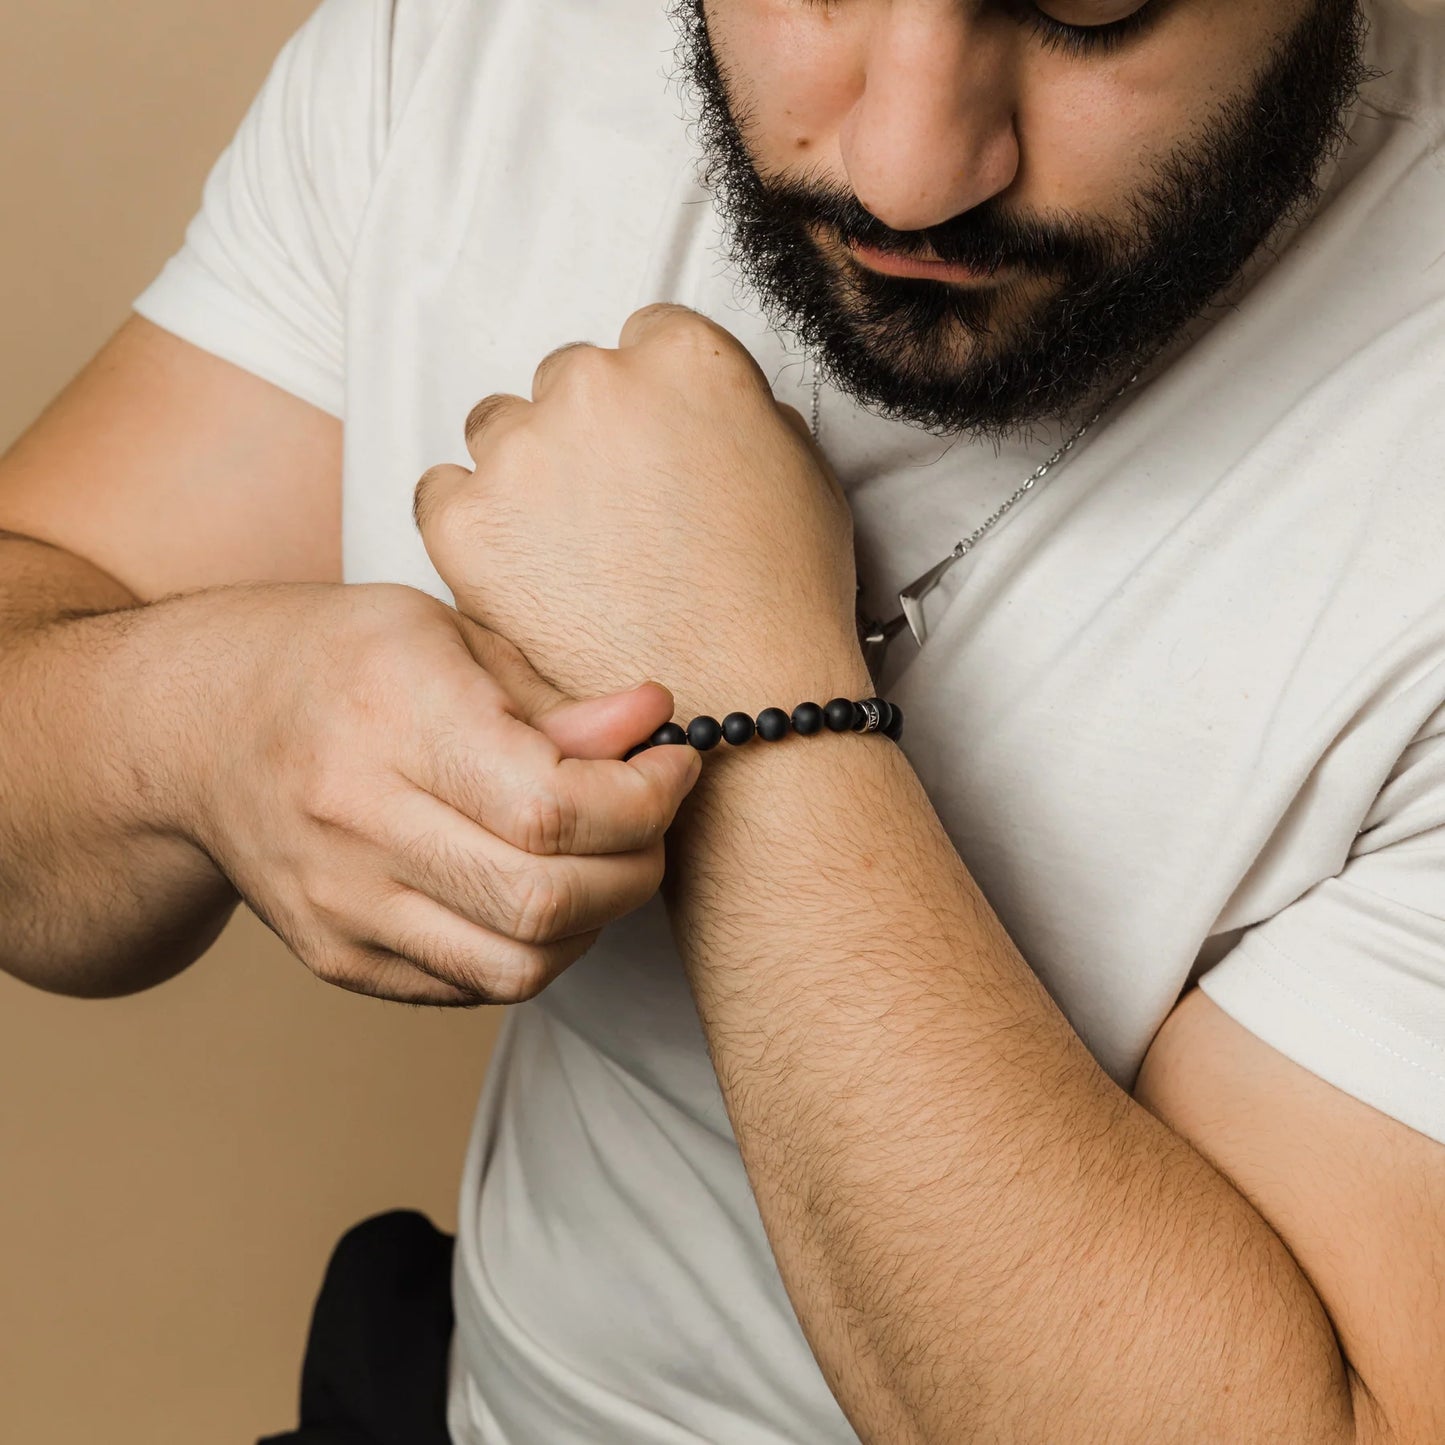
(261,279)
(1349,980)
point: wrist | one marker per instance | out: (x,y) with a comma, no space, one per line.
(774,681)
(752,796)
(199,667)
(794,741)
(109,681)
(174,689)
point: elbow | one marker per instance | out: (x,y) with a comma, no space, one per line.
(118,967)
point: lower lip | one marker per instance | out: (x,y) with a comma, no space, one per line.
(891,264)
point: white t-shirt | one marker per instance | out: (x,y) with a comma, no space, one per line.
(1183,712)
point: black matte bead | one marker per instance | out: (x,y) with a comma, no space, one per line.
(860,718)
(773,724)
(894,730)
(838,714)
(633,752)
(886,709)
(738,728)
(807,719)
(668,733)
(704,732)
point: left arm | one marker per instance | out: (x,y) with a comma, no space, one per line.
(984,1238)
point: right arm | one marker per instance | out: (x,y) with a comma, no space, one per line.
(194,710)
(160,470)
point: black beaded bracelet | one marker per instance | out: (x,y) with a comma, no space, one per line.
(870,715)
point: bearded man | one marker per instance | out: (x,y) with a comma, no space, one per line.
(1063,1066)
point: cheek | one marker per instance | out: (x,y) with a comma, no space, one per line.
(793,73)
(1091,134)
(1088,139)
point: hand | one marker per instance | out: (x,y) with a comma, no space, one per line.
(653,512)
(399,796)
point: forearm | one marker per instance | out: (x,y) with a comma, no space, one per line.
(984,1238)
(100,894)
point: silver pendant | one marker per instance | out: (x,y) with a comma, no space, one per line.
(875,637)
(910,599)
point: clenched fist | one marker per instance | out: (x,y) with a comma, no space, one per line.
(653,512)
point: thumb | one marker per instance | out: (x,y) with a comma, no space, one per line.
(605,727)
(592,727)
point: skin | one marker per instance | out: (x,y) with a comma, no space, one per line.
(1235,1200)
(984,1238)
(929,107)
(195,711)
(944,1229)
(926,108)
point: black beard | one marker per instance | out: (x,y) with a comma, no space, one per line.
(942,357)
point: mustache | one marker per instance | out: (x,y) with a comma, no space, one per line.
(986,238)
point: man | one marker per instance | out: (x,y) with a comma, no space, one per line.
(888,1123)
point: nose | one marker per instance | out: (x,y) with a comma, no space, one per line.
(931,134)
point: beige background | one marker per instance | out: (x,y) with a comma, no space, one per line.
(174,1167)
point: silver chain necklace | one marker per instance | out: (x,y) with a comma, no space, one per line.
(875,636)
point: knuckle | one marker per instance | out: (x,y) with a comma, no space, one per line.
(388,953)
(522,972)
(429,492)
(688,334)
(685,332)
(484,413)
(545,822)
(398,979)
(340,967)
(667,318)
(735,369)
(327,904)
(504,971)
(400,976)
(464,970)
(713,360)
(540,907)
(588,379)
(326,800)
(569,364)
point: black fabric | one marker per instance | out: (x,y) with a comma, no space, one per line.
(376,1359)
